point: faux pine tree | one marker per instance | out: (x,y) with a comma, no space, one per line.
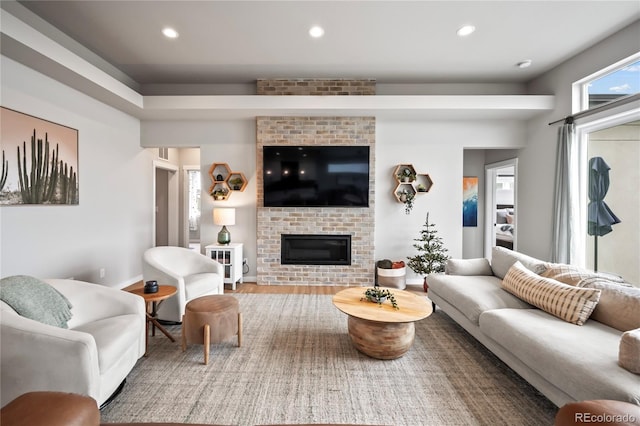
(432,255)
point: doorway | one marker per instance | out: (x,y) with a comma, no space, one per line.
(501,205)
(165,200)
(192,190)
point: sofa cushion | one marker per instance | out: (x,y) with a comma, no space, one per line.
(582,361)
(629,351)
(113,336)
(502,259)
(574,275)
(472,295)
(619,306)
(197,285)
(478,266)
(572,304)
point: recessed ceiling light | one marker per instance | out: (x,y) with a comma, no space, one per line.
(170,32)
(316,31)
(524,64)
(466,30)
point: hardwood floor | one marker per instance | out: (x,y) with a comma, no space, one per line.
(283,289)
(269,289)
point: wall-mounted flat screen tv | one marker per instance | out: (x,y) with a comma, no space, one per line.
(316,176)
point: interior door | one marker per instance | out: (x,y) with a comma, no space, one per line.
(501,205)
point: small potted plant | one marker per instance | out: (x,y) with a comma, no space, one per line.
(432,255)
(219,194)
(379,296)
(421,188)
(406,197)
(236,182)
(406,175)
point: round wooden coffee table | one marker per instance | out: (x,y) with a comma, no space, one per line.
(379,330)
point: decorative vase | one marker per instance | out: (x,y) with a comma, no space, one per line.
(151,287)
(403,198)
(425,286)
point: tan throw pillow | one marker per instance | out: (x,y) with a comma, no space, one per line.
(629,352)
(619,306)
(572,304)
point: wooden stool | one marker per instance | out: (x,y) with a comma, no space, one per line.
(211,319)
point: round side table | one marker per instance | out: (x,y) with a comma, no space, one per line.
(153,300)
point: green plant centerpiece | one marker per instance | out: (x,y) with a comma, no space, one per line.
(379,295)
(432,255)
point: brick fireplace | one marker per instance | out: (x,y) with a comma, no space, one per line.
(273,222)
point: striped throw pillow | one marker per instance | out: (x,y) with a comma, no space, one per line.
(569,303)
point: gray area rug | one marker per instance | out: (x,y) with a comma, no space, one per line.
(297,365)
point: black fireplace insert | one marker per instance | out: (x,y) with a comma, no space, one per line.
(315,249)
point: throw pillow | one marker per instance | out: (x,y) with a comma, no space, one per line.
(478,266)
(572,304)
(36,300)
(629,351)
(573,275)
(619,306)
(502,259)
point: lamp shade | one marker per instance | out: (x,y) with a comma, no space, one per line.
(226,216)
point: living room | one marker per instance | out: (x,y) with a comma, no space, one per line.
(103,238)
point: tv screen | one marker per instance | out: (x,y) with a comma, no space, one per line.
(316,176)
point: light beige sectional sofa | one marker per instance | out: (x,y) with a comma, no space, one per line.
(567,362)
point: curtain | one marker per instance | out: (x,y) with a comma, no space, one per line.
(568,241)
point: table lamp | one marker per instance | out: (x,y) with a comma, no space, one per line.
(224,217)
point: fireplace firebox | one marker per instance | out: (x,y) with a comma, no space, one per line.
(315,249)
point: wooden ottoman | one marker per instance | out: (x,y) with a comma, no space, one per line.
(211,319)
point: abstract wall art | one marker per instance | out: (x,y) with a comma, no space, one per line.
(470,201)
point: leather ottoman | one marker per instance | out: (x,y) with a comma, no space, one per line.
(211,319)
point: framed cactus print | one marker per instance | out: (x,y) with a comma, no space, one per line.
(39,161)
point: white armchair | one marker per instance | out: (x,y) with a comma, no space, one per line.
(192,273)
(105,339)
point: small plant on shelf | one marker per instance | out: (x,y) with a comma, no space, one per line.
(219,194)
(379,296)
(407,198)
(236,183)
(406,175)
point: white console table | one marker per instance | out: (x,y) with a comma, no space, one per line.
(230,256)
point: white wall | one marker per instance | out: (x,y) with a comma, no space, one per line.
(432,147)
(231,142)
(473,236)
(436,148)
(536,162)
(110,228)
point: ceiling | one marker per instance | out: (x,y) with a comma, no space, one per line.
(390,41)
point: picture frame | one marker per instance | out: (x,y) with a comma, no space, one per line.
(470,201)
(39,161)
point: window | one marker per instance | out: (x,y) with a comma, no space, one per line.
(613,83)
(612,140)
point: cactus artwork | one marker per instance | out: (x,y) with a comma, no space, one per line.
(43,169)
(5,171)
(52,182)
